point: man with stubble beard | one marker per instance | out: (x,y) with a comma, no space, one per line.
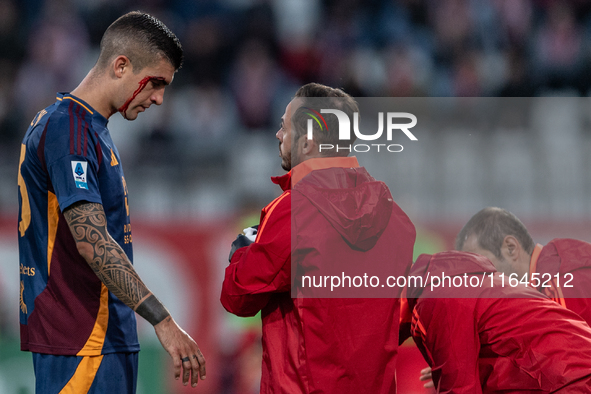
(331,217)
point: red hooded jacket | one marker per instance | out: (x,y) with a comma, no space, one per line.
(571,260)
(498,338)
(323,345)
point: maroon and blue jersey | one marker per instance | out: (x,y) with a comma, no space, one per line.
(67,155)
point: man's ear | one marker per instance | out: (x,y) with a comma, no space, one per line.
(511,248)
(513,252)
(308,147)
(121,65)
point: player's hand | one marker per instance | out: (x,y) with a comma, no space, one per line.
(426,375)
(183,349)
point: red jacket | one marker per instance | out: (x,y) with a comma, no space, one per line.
(571,260)
(494,340)
(323,345)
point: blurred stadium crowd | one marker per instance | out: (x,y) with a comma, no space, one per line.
(245,58)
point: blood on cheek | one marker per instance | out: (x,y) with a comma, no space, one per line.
(142,84)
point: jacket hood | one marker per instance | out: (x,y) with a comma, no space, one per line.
(569,254)
(451,263)
(354,203)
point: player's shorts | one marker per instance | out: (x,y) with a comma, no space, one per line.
(113,373)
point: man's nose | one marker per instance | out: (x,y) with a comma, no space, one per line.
(157,98)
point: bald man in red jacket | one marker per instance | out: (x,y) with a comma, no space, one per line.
(561,269)
(494,337)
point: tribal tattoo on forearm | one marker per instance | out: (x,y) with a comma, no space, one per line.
(88,224)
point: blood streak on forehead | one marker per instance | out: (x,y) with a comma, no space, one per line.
(142,84)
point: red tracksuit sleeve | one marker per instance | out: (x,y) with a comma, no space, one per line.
(262,268)
(452,342)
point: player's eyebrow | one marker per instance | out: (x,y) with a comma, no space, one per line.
(159,81)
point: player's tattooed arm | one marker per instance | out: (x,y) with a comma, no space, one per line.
(88,224)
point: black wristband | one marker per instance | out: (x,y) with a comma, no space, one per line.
(152,310)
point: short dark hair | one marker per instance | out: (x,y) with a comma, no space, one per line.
(316,97)
(490,226)
(143,39)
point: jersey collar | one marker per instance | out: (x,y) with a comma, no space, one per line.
(97,118)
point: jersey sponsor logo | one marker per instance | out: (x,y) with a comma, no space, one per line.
(127,230)
(79,172)
(29,271)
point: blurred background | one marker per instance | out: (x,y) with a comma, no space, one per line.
(198,166)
